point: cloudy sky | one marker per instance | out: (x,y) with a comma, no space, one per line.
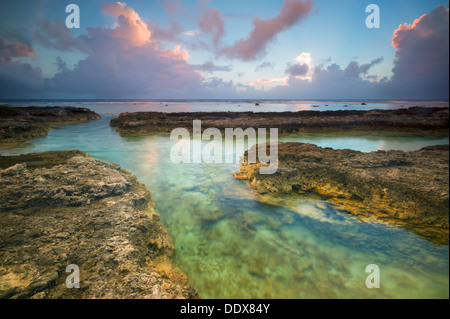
(234,49)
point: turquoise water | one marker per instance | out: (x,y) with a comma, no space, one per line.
(235,243)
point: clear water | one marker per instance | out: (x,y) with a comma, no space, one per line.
(235,243)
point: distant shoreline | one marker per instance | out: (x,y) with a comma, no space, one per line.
(225,101)
(409,120)
(116,107)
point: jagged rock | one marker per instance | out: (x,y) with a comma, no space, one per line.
(31,122)
(410,189)
(63,208)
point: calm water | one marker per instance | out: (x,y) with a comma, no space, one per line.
(115,107)
(234,243)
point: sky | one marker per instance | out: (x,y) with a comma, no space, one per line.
(235,49)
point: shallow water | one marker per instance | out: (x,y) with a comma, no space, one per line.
(235,243)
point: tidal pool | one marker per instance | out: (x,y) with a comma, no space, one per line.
(235,243)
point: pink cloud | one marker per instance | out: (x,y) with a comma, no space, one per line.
(211,22)
(265,31)
(162,34)
(428,25)
(8,51)
(130,27)
(171,6)
(422,63)
(123,61)
(176,53)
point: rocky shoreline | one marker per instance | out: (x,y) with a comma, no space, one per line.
(63,208)
(23,123)
(408,189)
(418,120)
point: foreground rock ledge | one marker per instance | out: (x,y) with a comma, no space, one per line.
(417,120)
(409,189)
(63,208)
(23,123)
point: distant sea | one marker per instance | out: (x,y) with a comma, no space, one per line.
(114,107)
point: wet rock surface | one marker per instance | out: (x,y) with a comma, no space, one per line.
(22,123)
(409,189)
(64,208)
(415,120)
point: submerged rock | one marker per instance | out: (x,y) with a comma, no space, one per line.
(21,123)
(410,189)
(64,208)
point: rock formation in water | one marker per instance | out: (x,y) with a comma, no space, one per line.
(415,120)
(64,208)
(22,123)
(410,189)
